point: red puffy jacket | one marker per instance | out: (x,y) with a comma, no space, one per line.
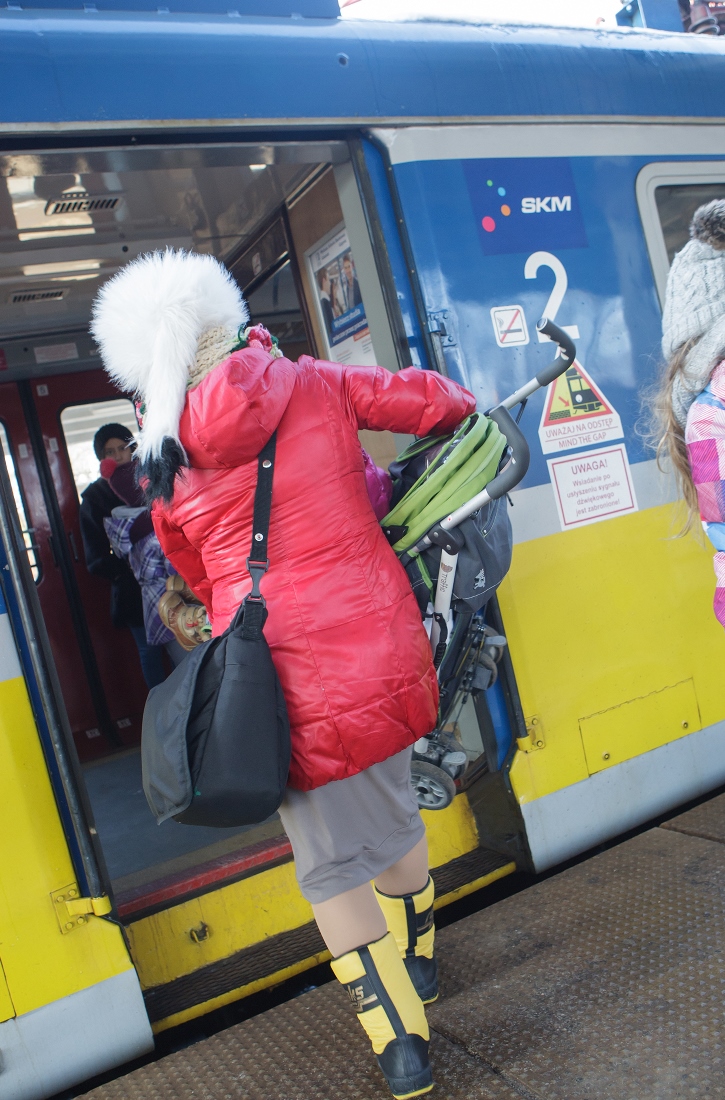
(344,627)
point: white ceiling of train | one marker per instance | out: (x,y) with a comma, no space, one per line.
(70,220)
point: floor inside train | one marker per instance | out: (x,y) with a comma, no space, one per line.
(603,982)
(137,851)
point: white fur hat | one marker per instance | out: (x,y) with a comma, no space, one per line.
(147,322)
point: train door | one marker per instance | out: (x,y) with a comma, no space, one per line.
(65,410)
(103,690)
(50,566)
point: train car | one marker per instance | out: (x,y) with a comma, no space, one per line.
(413,193)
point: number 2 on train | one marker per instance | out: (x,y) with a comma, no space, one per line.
(561,282)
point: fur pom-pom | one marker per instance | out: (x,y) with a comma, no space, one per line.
(147,322)
(159,471)
(708,224)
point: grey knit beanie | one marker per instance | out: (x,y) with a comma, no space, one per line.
(695,305)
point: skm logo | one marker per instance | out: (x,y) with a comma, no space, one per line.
(542,206)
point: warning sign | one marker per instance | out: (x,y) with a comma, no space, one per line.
(509,326)
(576,413)
(593,486)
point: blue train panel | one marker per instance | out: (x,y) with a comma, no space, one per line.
(498,242)
(63,67)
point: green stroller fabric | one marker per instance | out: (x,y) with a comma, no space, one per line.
(465,464)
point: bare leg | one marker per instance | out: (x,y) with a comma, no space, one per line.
(350,920)
(354,918)
(408,875)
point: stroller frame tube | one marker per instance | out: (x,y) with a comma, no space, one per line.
(444,595)
(512,474)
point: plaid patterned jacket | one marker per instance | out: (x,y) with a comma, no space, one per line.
(705,438)
(149,567)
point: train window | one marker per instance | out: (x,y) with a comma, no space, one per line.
(275,305)
(337,273)
(96,216)
(80,423)
(264,271)
(676,204)
(26,529)
(668,195)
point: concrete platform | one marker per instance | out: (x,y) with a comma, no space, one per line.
(605,982)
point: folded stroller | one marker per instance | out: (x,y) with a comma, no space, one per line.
(449,526)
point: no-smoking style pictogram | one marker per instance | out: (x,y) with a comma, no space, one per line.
(509,326)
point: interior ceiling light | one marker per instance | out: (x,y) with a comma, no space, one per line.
(257,167)
(73,278)
(86,269)
(79,231)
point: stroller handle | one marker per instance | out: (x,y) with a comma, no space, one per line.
(515,469)
(513,472)
(518,462)
(565,358)
(567,350)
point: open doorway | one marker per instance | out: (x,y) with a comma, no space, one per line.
(68,221)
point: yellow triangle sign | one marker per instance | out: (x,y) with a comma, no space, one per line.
(576,413)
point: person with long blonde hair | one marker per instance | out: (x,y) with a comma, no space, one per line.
(689,406)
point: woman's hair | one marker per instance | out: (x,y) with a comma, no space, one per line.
(667,435)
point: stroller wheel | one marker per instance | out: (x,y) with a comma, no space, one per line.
(433,787)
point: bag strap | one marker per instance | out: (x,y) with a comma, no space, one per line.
(254,607)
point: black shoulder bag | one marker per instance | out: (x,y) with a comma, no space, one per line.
(215,746)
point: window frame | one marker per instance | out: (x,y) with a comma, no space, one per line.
(64,438)
(36,566)
(663,174)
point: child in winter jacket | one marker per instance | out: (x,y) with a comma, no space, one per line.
(691,405)
(343,625)
(132,537)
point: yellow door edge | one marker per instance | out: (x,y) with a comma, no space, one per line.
(476,884)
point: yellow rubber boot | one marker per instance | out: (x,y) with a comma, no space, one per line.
(410,919)
(391,1013)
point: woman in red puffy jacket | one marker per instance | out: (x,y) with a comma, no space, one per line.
(343,626)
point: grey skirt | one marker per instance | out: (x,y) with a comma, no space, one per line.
(348,832)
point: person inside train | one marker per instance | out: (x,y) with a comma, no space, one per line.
(343,624)
(690,403)
(113,441)
(133,539)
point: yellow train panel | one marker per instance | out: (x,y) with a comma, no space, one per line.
(236,916)
(633,728)
(451,832)
(41,964)
(604,616)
